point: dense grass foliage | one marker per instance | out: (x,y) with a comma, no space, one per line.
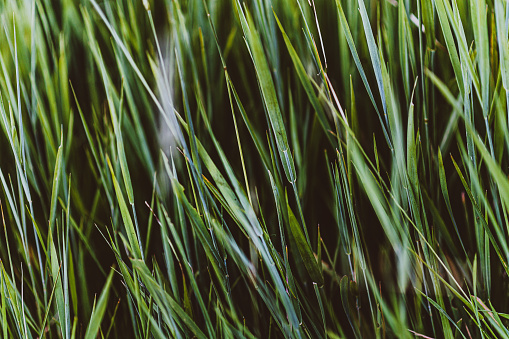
(268,168)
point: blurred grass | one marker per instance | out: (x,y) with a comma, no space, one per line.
(281,168)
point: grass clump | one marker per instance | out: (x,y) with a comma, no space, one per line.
(282,168)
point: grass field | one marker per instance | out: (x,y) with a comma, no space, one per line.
(258,169)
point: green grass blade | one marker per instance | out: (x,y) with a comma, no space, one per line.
(99,309)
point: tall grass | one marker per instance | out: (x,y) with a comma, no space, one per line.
(282,168)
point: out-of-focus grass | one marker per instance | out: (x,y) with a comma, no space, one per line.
(282,168)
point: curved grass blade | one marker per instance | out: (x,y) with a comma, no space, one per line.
(305,251)
(99,310)
(126,217)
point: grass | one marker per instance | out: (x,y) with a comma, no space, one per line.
(254,169)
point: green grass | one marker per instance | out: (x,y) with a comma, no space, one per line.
(283,168)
